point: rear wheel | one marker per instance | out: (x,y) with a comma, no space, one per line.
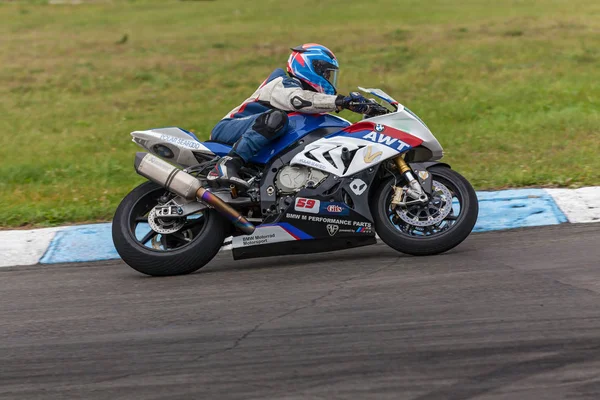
(438,226)
(180,246)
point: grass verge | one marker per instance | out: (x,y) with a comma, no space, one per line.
(511,88)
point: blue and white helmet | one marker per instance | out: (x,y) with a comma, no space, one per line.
(316,66)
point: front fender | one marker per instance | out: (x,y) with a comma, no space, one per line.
(416,167)
(424,177)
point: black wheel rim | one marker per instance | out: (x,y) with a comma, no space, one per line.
(445,225)
(140,230)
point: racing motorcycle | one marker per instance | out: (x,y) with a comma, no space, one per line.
(326,185)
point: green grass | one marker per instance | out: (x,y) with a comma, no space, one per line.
(511,88)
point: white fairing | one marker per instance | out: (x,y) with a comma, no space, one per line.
(367,154)
(175,139)
(405,120)
(371,147)
(410,123)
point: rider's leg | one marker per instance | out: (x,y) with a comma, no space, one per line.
(264,128)
(230,131)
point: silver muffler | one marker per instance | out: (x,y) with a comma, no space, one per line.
(186,186)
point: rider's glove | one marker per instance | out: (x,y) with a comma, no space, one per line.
(354,102)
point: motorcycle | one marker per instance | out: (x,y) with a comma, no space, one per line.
(326,185)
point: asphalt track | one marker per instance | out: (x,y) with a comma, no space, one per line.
(506,315)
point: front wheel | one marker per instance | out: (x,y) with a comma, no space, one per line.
(164,247)
(438,226)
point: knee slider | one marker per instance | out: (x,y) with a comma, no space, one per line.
(271,123)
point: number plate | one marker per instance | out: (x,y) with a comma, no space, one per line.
(307,205)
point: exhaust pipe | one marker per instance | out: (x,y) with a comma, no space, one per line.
(186,186)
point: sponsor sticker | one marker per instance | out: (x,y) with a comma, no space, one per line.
(310,163)
(305,205)
(338,221)
(267,235)
(423,175)
(358,186)
(332,229)
(191,144)
(386,140)
(330,220)
(257,239)
(370,156)
(334,208)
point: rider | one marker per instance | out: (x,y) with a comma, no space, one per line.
(309,88)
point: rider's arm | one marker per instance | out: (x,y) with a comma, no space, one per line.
(287,94)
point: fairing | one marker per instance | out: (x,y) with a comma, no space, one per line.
(407,122)
(182,144)
(300,126)
(367,142)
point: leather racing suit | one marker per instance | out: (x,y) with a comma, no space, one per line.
(263,116)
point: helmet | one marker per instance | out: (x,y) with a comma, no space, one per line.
(316,66)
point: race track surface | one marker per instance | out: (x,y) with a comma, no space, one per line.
(506,315)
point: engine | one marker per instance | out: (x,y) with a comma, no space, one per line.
(292,179)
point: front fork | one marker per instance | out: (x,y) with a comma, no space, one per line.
(415,190)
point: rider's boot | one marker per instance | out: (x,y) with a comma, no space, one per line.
(227,170)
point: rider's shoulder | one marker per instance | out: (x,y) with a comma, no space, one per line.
(280,75)
(289,82)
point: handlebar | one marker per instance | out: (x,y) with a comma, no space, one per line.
(374,108)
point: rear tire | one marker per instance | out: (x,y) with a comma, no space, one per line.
(438,242)
(177,261)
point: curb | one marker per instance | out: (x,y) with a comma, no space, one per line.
(498,210)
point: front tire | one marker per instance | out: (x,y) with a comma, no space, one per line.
(182,252)
(428,240)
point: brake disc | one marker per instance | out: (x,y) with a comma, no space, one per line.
(432,213)
(164,226)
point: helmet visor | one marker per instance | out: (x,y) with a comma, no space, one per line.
(327,70)
(331,75)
